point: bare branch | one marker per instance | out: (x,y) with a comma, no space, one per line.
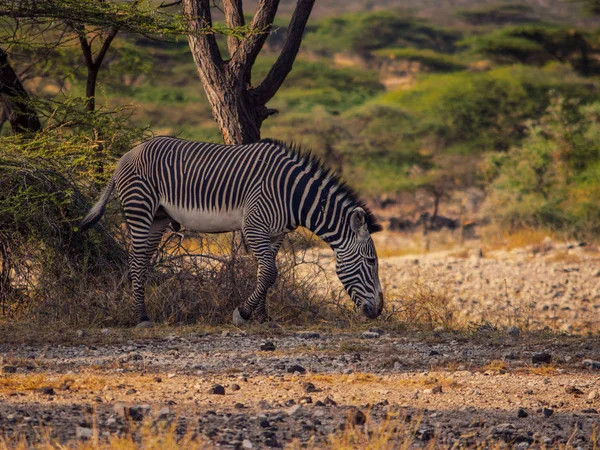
(234,17)
(249,48)
(203,45)
(282,67)
(105,45)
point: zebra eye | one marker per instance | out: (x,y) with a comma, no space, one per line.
(371,261)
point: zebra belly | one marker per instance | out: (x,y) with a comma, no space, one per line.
(206,221)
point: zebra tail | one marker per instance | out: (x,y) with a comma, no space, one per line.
(94,215)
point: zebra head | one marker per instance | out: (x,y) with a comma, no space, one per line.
(357,265)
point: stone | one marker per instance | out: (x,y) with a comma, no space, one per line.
(522,413)
(164,413)
(130,391)
(305,400)
(541,358)
(377,330)
(47,390)
(247,444)
(309,387)
(547,412)
(593,395)
(308,335)
(370,335)
(329,402)
(138,412)
(235,387)
(217,389)
(573,390)
(80,333)
(271,442)
(263,422)
(588,363)
(268,347)
(513,331)
(294,410)
(226,333)
(358,417)
(9,369)
(296,368)
(83,433)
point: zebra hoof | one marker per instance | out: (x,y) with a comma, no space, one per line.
(237,318)
(144,324)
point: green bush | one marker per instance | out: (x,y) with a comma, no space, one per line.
(364,32)
(551,180)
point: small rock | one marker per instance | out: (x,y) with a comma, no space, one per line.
(358,417)
(271,442)
(296,368)
(263,404)
(130,391)
(513,331)
(235,387)
(47,390)
(305,400)
(268,347)
(105,331)
(138,412)
(137,357)
(157,379)
(164,413)
(370,335)
(528,392)
(217,389)
(80,333)
(573,390)
(541,357)
(247,444)
(348,371)
(593,395)
(226,333)
(264,422)
(595,365)
(9,369)
(589,411)
(239,406)
(308,335)
(329,402)
(294,410)
(522,413)
(377,330)
(309,387)
(547,412)
(83,433)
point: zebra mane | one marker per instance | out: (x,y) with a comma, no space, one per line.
(317,165)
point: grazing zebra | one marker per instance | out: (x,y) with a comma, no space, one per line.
(265,189)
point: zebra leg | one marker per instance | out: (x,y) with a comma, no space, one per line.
(141,225)
(260,245)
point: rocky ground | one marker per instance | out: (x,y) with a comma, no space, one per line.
(498,382)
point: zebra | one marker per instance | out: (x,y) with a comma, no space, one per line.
(265,190)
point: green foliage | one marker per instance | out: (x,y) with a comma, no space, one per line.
(551,179)
(431,60)
(364,32)
(533,44)
(477,112)
(313,84)
(497,14)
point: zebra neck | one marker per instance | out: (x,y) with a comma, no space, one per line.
(326,217)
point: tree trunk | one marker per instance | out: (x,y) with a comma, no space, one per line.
(90,88)
(22,117)
(239,108)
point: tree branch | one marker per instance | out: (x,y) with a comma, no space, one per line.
(105,45)
(234,17)
(249,48)
(282,67)
(202,44)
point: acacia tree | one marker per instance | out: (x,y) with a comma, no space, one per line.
(238,107)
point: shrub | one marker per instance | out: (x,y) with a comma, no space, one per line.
(551,179)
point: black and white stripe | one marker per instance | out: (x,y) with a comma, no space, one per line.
(265,189)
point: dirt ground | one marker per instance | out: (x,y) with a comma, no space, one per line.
(527,376)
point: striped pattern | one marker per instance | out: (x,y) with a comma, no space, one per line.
(265,189)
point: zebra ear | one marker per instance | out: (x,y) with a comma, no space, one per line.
(358,222)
